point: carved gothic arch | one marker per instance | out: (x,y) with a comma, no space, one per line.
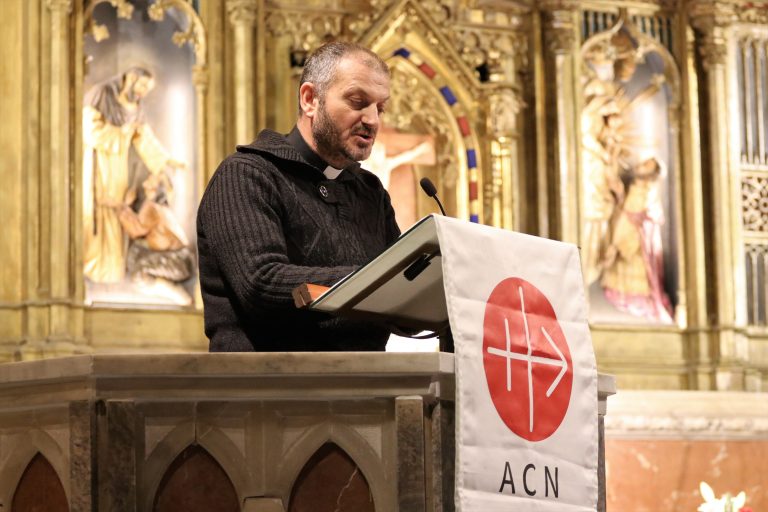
(25,448)
(407,38)
(213,440)
(406,21)
(346,438)
(671,71)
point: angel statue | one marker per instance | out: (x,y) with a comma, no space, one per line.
(113,123)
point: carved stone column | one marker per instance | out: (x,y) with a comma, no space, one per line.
(243,16)
(559,30)
(712,21)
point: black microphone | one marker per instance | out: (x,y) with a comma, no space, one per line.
(429,188)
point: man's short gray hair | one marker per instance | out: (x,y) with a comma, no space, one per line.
(320,67)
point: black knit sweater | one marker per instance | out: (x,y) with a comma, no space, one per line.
(270,221)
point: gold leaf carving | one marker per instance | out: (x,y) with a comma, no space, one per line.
(711,20)
(194,33)
(415,23)
(307,29)
(242,11)
(358,22)
(559,28)
(754,200)
(753,12)
(441,11)
(59,5)
(503,107)
(495,48)
(100,32)
(421,110)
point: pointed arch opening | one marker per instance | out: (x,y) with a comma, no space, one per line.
(433,102)
(40,488)
(331,480)
(194,482)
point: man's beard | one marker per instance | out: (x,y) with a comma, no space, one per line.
(329,140)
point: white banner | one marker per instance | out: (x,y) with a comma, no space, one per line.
(526,399)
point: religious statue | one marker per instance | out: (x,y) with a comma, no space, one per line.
(113,123)
(622,212)
(603,158)
(382,165)
(633,270)
(606,148)
(400,185)
(159,257)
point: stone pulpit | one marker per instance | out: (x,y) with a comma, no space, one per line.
(228,432)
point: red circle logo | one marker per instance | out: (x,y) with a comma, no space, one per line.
(527,360)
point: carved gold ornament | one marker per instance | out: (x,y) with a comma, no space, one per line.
(193,35)
(754,197)
(100,32)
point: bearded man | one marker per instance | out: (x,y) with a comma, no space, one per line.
(292,209)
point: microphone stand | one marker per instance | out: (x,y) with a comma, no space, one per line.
(444,336)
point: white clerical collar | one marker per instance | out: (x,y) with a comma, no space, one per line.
(331,172)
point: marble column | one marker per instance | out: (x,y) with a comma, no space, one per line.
(83,496)
(443,453)
(117,475)
(409,424)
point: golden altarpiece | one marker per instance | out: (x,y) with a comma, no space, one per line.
(635,129)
